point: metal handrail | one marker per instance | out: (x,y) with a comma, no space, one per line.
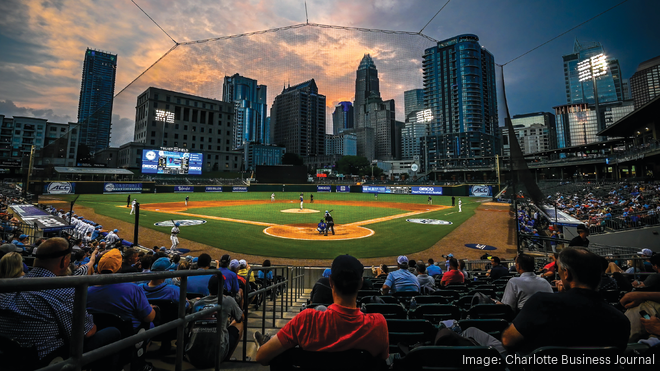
(77,358)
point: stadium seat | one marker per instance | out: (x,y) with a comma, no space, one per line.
(409,332)
(430,299)
(167,311)
(486,291)
(491,311)
(436,312)
(405,296)
(363,293)
(450,358)
(450,295)
(194,295)
(349,360)
(464,302)
(611,296)
(17,357)
(493,327)
(456,287)
(135,355)
(389,311)
(575,352)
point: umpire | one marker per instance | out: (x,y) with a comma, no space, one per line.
(330,223)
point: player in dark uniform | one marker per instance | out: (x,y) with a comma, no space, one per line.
(311,198)
(430,201)
(128,201)
(330,223)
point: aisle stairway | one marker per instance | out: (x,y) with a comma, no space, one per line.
(255,320)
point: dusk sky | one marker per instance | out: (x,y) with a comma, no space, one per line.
(42,45)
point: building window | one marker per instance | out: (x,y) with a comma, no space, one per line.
(194,115)
(194,128)
(226,166)
(176,144)
(209,146)
(165,143)
(218,148)
(176,136)
(153,142)
(216,157)
(227,141)
(164,135)
(227,149)
(208,157)
(193,145)
(235,166)
(185,137)
(185,127)
(201,130)
(227,158)
(194,138)
(235,158)
(153,133)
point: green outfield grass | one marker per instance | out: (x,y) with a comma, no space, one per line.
(392,237)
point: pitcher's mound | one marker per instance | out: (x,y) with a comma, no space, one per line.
(301,211)
(309,232)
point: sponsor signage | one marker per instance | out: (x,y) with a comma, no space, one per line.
(323,188)
(118,188)
(481,191)
(343,188)
(171,162)
(239,189)
(429,221)
(376,189)
(213,189)
(59,188)
(182,223)
(426,190)
(179,189)
(10,162)
(479,246)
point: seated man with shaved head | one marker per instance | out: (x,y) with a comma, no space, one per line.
(45,318)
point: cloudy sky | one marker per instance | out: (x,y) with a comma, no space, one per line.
(42,45)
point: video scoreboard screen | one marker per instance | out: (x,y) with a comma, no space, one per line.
(170,162)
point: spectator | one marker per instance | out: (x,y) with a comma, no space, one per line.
(341,327)
(519,289)
(20,241)
(423,278)
(200,284)
(243,270)
(647,254)
(453,275)
(401,280)
(461,267)
(123,299)
(130,263)
(381,271)
(11,265)
(231,280)
(46,316)
(321,292)
(635,302)
(161,288)
(498,270)
(652,282)
(581,239)
(549,270)
(146,262)
(412,266)
(432,269)
(265,274)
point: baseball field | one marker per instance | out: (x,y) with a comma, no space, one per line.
(250,223)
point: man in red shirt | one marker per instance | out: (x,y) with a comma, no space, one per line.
(341,327)
(453,275)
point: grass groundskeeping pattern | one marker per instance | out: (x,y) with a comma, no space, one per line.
(391,237)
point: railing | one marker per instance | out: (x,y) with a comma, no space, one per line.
(77,358)
(16,229)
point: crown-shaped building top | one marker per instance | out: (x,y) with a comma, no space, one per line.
(366,63)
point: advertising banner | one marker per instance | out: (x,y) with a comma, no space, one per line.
(239,189)
(180,189)
(376,189)
(119,188)
(426,191)
(323,188)
(171,162)
(343,188)
(213,189)
(481,191)
(59,188)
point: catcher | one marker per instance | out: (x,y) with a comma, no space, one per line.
(321,227)
(330,223)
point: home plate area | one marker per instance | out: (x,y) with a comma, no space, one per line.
(308,232)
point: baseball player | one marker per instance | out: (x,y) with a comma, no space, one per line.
(272,197)
(375,196)
(133,206)
(460,204)
(187,198)
(128,201)
(174,237)
(321,227)
(311,198)
(302,199)
(330,223)
(112,236)
(430,201)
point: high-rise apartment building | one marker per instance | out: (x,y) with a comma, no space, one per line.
(610,85)
(366,85)
(96,94)
(250,110)
(298,119)
(645,83)
(413,100)
(343,144)
(459,89)
(165,118)
(343,117)
(380,115)
(415,128)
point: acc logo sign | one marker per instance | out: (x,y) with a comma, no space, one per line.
(481,191)
(109,187)
(60,188)
(182,223)
(429,221)
(151,155)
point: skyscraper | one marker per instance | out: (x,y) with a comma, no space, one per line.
(380,115)
(96,93)
(645,83)
(610,86)
(342,117)
(366,85)
(298,119)
(413,100)
(459,89)
(250,110)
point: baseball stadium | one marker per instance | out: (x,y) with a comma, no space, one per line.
(323,197)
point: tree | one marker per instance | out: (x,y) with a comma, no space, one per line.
(84,154)
(353,165)
(290,158)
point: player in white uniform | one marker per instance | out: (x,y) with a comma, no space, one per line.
(272,197)
(301,201)
(460,204)
(112,237)
(133,206)
(174,237)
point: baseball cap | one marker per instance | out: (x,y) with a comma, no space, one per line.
(195,259)
(346,265)
(402,259)
(234,263)
(450,255)
(22,236)
(9,247)
(116,230)
(326,272)
(110,262)
(645,252)
(225,258)
(162,248)
(242,263)
(161,264)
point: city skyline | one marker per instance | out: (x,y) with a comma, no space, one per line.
(41,75)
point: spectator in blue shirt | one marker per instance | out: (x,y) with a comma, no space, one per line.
(160,289)
(268,274)
(20,241)
(433,270)
(231,280)
(401,280)
(200,284)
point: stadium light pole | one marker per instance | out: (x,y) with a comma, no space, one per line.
(589,69)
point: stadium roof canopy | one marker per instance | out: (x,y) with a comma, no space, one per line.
(636,122)
(92,171)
